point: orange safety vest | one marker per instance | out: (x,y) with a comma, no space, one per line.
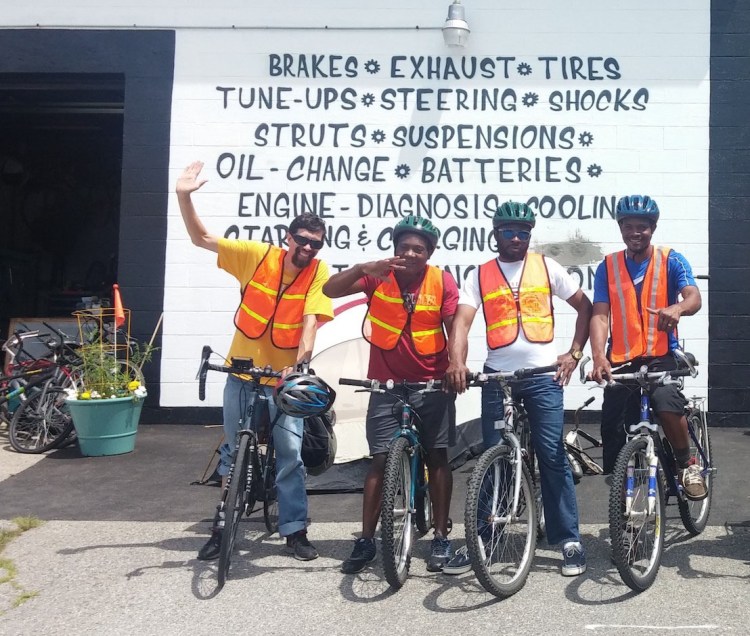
(264,303)
(634,330)
(387,318)
(533,309)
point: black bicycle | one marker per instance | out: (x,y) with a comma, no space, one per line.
(252,473)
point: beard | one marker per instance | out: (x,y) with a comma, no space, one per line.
(301,259)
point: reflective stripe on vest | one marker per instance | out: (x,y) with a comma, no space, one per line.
(262,304)
(634,330)
(387,318)
(534,306)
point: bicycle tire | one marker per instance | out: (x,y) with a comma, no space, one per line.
(636,549)
(575,465)
(694,514)
(503,568)
(270,499)
(234,506)
(42,422)
(422,502)
(396,516)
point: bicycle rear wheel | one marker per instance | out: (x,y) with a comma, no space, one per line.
(270,500)
(396,516)
(422,502)
(637,536)
(234,506)
(695,513)
(500,545)
(41,422)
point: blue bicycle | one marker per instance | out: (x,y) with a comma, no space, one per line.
(406,493)
(646,475)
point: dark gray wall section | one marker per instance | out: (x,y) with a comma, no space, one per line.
(729,221)
(146,60)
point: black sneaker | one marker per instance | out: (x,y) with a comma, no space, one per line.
(211,550)
(440,554)
(302,548)
(363,553)
(574,559)
(460,563)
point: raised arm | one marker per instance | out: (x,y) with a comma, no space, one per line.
(350,280)
(187,183)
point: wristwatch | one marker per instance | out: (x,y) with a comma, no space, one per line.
(576,354)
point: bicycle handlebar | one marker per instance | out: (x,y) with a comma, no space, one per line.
(238,366)
(377,385)
(655,377)
(477,379)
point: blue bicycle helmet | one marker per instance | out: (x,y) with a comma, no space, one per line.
(303,395)
(637,205)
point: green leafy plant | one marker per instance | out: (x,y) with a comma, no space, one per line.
(108,372)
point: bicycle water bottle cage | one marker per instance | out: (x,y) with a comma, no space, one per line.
(242,364)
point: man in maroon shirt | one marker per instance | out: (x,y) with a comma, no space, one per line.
(406,323)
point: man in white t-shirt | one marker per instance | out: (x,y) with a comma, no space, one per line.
(515,293)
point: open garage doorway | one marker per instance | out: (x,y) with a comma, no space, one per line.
(61,148)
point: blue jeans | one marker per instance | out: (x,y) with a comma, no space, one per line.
(287,442)
(542,398)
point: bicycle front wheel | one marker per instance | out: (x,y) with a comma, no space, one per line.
(234,506)
(637,534)
(500,543)
(695,513)
(396,515)
(41,422)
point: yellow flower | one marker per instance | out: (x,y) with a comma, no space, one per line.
(85,395)
(133,385)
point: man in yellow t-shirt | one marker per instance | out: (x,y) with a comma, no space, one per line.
(255,338)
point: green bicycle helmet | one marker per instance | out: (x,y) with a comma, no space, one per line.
(417,225)
(513,212)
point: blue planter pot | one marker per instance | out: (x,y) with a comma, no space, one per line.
(106,427)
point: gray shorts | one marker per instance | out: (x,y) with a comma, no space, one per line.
(435,415)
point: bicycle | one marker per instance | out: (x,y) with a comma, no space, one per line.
(504,507)
(406,492)
(646,475)
(252,472)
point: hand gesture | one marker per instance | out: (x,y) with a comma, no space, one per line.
(381,269)
(668,317)
(188,182)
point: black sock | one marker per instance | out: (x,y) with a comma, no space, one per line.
(682,456)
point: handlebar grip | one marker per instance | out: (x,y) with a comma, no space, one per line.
(350,382)
(202,372)
(525,373)
(589,401)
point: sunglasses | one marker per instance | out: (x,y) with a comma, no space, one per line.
(509,235)
(303,240)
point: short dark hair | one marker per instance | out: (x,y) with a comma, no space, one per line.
(307,221)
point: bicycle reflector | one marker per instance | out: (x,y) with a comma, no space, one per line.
(303,395)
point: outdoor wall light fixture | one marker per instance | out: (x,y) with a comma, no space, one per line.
(456,28)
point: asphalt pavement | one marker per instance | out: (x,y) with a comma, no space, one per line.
(116,555)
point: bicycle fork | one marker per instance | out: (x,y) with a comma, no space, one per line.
(653,469)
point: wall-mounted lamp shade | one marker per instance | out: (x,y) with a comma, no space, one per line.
(456,29)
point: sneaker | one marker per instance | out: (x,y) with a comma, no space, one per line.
(693,484)
(574,559)
(460,563)
(211,549)
(298,544)
(363,553)
(440,553)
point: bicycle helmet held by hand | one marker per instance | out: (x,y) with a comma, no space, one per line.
(303,395)
(513,212)
(417,225)
(636,205)
(319,443)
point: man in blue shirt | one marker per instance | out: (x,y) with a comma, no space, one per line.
(636,294)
